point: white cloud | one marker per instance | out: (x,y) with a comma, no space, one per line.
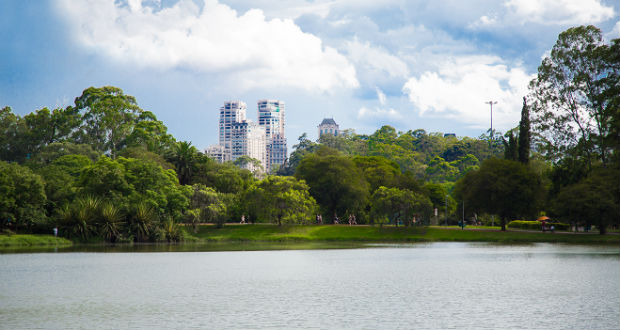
(378,113)
(615,32)
(381,112)
(376,59)
(381,96)
(461,86)
(483,21)
(562,12)
(246,50)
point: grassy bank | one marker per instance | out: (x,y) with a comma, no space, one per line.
(25,241)
(272,233)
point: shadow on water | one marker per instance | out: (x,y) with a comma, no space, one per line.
(189,247)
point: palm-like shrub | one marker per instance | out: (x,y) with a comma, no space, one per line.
(143,220)
(110,222)
(78,219)
(171,230)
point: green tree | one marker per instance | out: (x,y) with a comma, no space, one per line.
(300,150)
(524,142)
(184,158)
(378,171)
(79,219)
(110,222)
(22,196)
(108,118)
(569,96)
(61,178)
(399,205)
(507,188)
(12,146)
(206,204)
(281,200)
(336,183)
(593,200)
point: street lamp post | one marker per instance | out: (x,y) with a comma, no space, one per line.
(446,222)
(491,135)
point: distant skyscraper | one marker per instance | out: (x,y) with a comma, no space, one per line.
(232,112)
(248,139)
(218,153)
(271,117)
(329,126)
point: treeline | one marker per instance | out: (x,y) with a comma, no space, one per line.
(106,168)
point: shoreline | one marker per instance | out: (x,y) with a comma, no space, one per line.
(269,236)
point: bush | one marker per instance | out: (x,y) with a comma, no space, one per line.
(536,225)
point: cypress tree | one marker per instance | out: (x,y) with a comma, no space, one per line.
(510,147)
(524,134)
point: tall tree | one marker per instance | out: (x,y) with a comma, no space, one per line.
(184,157)
(108,118)
(524,134)
(568,95)
(335,181)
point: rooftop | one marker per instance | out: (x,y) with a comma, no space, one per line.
(328,121)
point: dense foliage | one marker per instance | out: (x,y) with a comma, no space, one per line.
(103,167)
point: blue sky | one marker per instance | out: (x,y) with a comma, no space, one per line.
(409,64)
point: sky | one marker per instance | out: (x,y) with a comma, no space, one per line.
(405,63)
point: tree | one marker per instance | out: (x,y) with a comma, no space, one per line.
(593,200)
(129,182)
(511,150)
(335,181)
(22,196)
(12,147)
(570,96)
(504,187)
(61,178)
(184,157)
(53,151)
(151,134)
(399,205)
(281,200)
(300,150)
(108,118)
(206,204)
(378,171)
(524,134)
(250,163)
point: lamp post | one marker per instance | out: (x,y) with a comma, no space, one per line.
(491,135)
(446,222)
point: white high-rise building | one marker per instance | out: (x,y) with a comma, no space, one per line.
(248,139)
(218,153)
(271,117)
(232,112)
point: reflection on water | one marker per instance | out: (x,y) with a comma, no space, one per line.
(393,286)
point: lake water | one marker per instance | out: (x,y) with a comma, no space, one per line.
(414,286)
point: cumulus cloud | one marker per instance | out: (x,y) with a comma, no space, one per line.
(483,21)
(460,87)
(376,59)
(246,49)
(380,112)
(560,12)
(615,32)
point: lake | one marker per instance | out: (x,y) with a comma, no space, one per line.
(403,286)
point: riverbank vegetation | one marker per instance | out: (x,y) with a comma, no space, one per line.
(388,234)
(106,169)
(8,241)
